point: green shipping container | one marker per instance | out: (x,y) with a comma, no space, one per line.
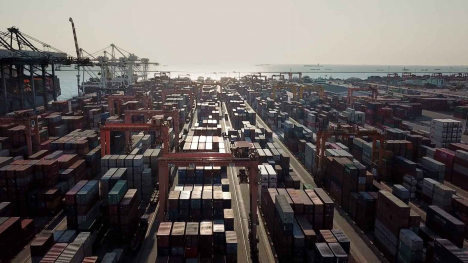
(118,192)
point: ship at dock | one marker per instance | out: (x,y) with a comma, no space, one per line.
(19,88)
(27,73)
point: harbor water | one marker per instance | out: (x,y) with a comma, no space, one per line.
(69,83)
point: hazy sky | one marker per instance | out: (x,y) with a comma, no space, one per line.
(402,32)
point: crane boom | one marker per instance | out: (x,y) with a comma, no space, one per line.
(78,55)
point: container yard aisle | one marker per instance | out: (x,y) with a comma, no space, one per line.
(360,251)
(149,250)
(241,207)
(240,215)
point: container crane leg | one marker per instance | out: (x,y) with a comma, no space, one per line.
(54,93)
(163,187)
(33,88)
(128,142)
(29,143)
(21,85)
(108,149)
(103,143)
(4,88)
(44,89)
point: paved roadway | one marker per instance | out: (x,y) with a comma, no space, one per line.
(149,248)
(241,205)
(362,249)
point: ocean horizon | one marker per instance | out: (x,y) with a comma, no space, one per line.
(68,80)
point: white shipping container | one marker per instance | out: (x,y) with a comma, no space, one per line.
(462,155)
(263,173)
(86,239)
(429,183)
(433,164)
(342,146)
(147,156)
(74,253)
(138,160)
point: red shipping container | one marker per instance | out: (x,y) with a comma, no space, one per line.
(10,236)
(71,194)
(27,225)
(446,157)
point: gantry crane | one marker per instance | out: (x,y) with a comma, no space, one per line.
(374,90)
(317,88)
(166,92)
(291,75)
(148,114)
(392,76)
(299,95)
(120,99)
(77,47)
(322,137)
(155,125)
(293,88)
(78,53)
(23,56)
(259,76)
(31,129)
(280,76)
(213,159)
(407,75)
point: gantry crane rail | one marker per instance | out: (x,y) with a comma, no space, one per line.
(120,99)
(148,114)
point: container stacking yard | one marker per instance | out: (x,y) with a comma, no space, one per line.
(227,172)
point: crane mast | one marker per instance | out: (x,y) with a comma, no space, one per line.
(78,53)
